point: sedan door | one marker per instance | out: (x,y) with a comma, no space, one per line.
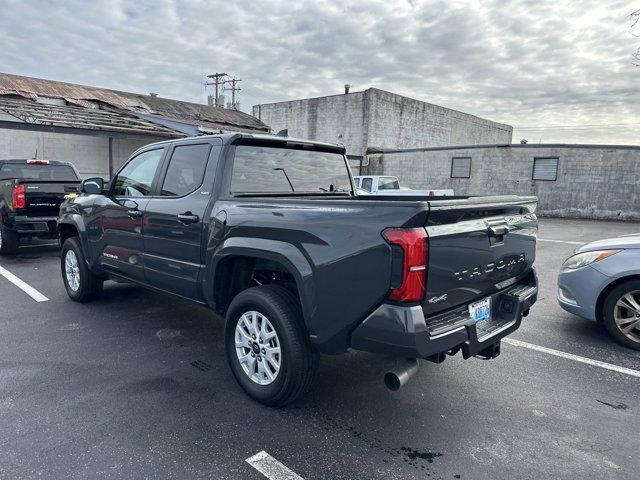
(175,218)
(119,244)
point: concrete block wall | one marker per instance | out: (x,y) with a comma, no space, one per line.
(599,182)
(333,119)
(376,118)
(89,153)
(394,121)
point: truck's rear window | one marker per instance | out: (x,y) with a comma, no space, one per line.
(259,169)
(37,172)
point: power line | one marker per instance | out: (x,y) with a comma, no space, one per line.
(218,81)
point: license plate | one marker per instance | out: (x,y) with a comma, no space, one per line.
(481,310)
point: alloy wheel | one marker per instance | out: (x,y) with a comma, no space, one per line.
(626,314)
(72,270)
(258,348)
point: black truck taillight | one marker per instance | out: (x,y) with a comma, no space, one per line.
(19,200)
(414,243)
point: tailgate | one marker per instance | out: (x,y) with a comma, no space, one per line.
(43,199)
(476,247)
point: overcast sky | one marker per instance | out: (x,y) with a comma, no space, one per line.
(564,66)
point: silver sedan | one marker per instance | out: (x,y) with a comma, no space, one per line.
(600,281)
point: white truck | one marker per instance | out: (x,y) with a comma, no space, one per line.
(386,185)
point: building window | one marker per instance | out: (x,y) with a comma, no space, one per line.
(545,168)
(460,167)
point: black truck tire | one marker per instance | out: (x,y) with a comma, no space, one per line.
(632,338)
(82,284)
(285,376)
(8,241)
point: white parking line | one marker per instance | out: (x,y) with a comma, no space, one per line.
(576,358)
(25,287)
(560,241)
(271,468)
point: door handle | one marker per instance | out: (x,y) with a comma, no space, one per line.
(188,217)
(134,213)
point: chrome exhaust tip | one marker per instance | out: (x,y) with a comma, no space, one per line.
(399,376)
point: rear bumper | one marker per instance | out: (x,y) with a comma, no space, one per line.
(36,226)
(404,331)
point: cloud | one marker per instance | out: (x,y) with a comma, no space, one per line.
(534,64)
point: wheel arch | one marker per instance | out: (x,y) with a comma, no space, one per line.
(606,290)
(227,272)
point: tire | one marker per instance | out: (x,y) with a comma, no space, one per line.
(298,361)
(613,309)
(82,284)
(8,241)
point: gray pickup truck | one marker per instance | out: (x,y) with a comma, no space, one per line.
(270,233)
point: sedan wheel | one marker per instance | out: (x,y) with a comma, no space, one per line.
(626,314)
(621,313)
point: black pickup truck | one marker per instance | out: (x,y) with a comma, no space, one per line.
(31,192)
(268,232)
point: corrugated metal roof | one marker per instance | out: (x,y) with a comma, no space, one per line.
(86,96)
(29,111)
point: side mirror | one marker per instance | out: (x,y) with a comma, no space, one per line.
(93,186)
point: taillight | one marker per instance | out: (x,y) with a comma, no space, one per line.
(19,200)
(414,243)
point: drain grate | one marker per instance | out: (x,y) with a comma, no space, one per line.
(201,365)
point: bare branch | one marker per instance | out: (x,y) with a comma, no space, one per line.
(635,23)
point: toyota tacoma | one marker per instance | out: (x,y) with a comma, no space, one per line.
(270,233)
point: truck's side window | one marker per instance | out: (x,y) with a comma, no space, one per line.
(136,178)
(367,183)
(186,170)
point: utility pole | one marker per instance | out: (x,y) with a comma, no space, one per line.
(234,88)
(218,80)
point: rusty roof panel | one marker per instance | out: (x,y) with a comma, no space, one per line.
(163,107)
(29,111)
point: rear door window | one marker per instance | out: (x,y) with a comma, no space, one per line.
(136,178)
(186,170)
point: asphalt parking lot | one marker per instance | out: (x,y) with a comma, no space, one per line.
(136,386)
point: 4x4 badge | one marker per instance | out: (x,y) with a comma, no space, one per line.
(438,299)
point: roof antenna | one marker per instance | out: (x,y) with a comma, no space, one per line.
(35,156)
(283,133)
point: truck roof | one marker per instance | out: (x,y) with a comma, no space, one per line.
(234,137)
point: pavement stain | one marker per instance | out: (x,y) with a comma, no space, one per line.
(616,406)
(413,454)
(409,456)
